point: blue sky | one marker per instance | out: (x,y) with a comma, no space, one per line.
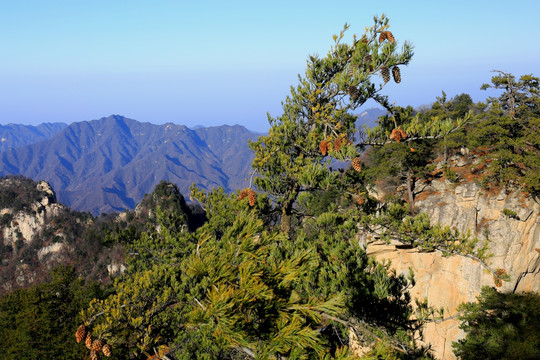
(230,62)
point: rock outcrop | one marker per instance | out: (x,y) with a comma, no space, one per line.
(510,221)
(25,223)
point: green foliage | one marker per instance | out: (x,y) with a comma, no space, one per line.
(394,222)
(40,322)
(509,132)
(500,326)
(510,213)
(281,274)
(317,123)
(450,175)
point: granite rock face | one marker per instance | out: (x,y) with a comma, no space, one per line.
(25,224)
(509,221)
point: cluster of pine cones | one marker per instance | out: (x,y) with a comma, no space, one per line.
(250,193)
(326,145)
(396,74)
(497,277)
(386,35)
(95,346)
(398,134)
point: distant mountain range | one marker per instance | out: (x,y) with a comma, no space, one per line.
(17,135)
(109,164)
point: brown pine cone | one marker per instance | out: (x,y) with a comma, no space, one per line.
(353,93)
(337,143)
(390,36)
(402,133)
(88,341)
(251,197)
(360,200)
(107,350)
(357,165)
(93,355)
(382,36)
(79,334)
(97,345)
(323,146)
(243,194)
(396,74)
(395,135)
(385,73)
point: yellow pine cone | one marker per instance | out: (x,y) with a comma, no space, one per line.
(79,334)
(88,341)
(357,165)
(251,197)
(107,350)
(396,74)
(97,345)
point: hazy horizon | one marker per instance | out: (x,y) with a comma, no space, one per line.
(217,63)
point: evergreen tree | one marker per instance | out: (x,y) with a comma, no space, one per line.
(317,123)
(500,326)
(39,322)
(507,132)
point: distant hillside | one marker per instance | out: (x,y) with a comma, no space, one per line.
(17,135)
(369,117)
(109,164)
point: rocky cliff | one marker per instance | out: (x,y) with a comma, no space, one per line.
(37,233)
(508,220)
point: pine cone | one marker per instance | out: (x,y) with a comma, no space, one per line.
(97,345)
(357,165)
(402,133)
(385,73)
(93,355)
(88,341)
(243,194)
(390,36)
(251,197)
(497,277)
(396,74)
(107,350)
(353,93)
(360,200)
(395,135)
(337,143)
(368,58)
(323,146)
(383,36)
(79,334)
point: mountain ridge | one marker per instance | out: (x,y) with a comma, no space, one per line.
(110,163)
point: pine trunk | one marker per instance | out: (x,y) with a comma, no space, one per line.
(410,188)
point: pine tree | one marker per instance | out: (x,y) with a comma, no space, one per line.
(290,160)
